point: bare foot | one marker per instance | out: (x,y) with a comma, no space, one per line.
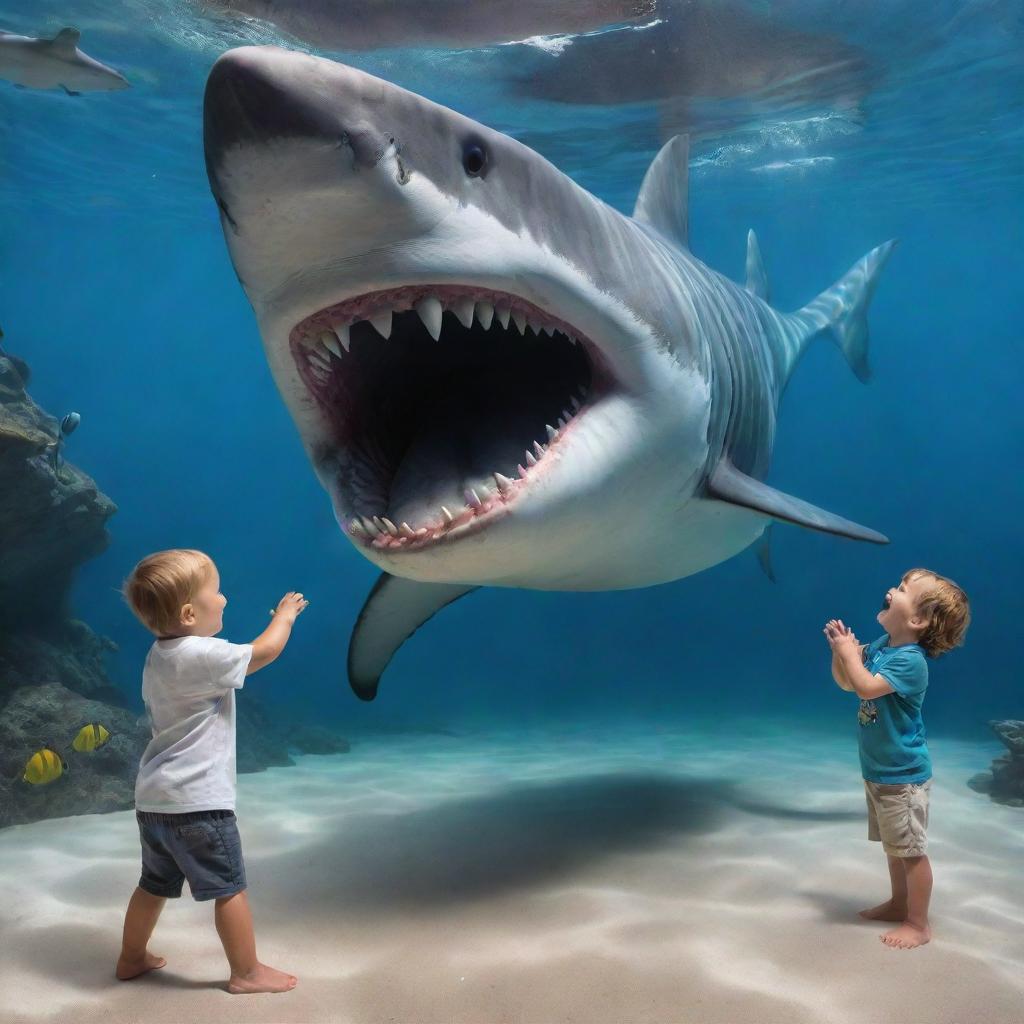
(262,979)
(127,969)
(907,936)
(887,911)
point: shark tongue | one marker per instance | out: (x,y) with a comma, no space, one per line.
(453,451)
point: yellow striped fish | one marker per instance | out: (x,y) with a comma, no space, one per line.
(44,766)
(90,737)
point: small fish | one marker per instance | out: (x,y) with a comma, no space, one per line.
(90,737)
(44,766)
(68,425)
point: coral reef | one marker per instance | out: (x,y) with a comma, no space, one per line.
(50,715)
(315,739)
(52,519)
(263,741)
(1004,781)
(50,522)
(66,652)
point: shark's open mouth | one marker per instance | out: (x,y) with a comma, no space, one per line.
(446,403)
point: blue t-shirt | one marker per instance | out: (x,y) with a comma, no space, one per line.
(891,733)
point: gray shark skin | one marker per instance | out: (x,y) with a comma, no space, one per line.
(499,379)
(379,24)
(55,64)
(724,51)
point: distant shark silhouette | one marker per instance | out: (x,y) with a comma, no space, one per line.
(55,64)
(377,24)
(499,379)
(702,50)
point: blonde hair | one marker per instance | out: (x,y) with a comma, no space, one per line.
(947,610)
(162,583)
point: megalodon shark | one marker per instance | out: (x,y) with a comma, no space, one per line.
(55,63)
(375,25)
(710,64)
(499,379)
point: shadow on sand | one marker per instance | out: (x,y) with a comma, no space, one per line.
(517,838)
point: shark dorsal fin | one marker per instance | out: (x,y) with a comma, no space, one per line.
(66,40)
(662,202)
(757,279)
(727,483)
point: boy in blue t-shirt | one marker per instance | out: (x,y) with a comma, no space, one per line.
(925,616)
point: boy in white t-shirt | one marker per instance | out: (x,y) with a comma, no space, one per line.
(185,790)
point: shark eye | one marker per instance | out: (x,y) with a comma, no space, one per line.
(474,159)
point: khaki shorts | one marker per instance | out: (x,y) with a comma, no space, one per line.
(898,817)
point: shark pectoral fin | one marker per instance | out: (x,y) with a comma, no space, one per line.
(757,279)
(662,202)
(69,91)
(727,483)
(393,611)
(66,40)
(764,553)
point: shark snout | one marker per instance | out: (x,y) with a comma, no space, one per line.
(249,99)
(256,95)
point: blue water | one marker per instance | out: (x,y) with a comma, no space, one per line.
(117,289)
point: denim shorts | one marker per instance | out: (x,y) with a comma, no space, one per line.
(203,846)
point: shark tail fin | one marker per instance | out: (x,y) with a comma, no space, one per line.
(841,313)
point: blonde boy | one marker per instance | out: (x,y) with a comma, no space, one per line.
(185,790)
(923,617)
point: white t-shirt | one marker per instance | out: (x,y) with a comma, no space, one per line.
(189,686)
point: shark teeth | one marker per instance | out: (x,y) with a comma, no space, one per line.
(463,310)
(319,357)
(480,498)
(382,323)
(430,308)
(430,311)
(322,346)
(333,342)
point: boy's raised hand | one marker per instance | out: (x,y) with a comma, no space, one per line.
(291,605)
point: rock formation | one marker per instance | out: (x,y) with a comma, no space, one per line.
(1004,781)
(50,522)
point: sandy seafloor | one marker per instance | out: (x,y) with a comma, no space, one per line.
(656,873)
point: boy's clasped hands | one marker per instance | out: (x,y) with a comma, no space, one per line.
(839,636)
